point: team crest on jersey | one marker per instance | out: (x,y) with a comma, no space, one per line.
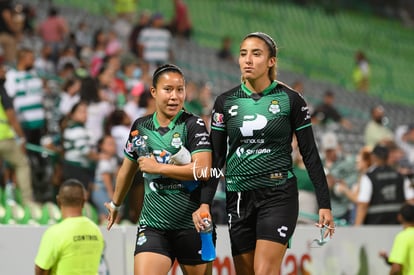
(176,140)
(274,107)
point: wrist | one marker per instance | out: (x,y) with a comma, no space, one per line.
(114,206)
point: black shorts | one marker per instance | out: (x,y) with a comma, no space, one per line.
(265,214)
(183,245)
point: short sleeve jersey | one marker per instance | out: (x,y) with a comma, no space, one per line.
(73,246)
(168,205)
(403,250)
(259,130)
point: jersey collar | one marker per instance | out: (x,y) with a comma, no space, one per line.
(264,92)
(172,122)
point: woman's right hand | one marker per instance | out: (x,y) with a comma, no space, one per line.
(112,215)
(197,219)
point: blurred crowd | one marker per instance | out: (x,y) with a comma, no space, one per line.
(77,90)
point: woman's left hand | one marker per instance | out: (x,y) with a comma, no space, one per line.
(326,220)
(148,165)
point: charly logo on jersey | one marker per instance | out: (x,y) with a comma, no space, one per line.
(176,140)
(233,110)
(141,239)
(251,123)
(274,107)
(282,231)
(200,122)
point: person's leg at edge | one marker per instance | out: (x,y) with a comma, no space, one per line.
(20,163)
(244,263)
(149,263)
(201,269)
(268,257)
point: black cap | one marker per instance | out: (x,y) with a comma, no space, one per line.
(407,212)
(380,151)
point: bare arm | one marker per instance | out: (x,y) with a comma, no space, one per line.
(200,162)
(123,182)
(396,269)
(11,117)
(362,209)
(40,271)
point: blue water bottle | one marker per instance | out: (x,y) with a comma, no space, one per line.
(208,251)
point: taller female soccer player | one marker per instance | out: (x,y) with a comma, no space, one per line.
(257,120)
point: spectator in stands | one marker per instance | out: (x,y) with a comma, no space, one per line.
(26,89)
(225,53)
(79,155)
(327,115)
(114,45)
(180,24)
(82,37)
(362,163)
(376,130)
(382,191)
(99,42)
(339,169)
(404,137)
(133,108)
(154,43)
(105,173)
(361,73)
(8,31)
(397,158)
(69,95)
(97,109)
(43,63)
(76,244)
(130,72)
(29,13)
(110,87)
(53,30)
(118,125)
(144,20)
(67,55)
(12,143)
(401,255)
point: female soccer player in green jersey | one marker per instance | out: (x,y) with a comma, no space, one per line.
(177,153)
(251,133)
